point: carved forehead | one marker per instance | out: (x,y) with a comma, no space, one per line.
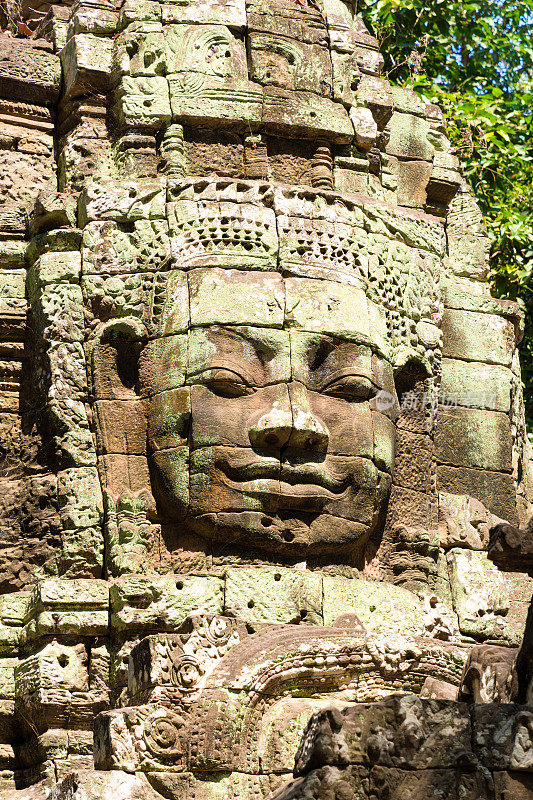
(213,297)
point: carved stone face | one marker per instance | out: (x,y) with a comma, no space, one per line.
(263,420)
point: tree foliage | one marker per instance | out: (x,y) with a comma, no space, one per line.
(475,59)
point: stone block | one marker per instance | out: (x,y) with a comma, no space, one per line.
(290,64)
(368,59)
(413,464)
(150,737)
(202,99)
(23,176)
(479,595)
(365,128)
(169,417)
(379,606)
(12,284)
(122,201)
(225,296)
(274,595)
(409,137)
(209,50)
(135,12)
(403,732)
(66,607)
(163,362)
(409,504)
(477,337)
(319,248)
(471,295)
(115,435)
(431,784)
(477,385)
(231,13)
(496,490)
(376,94)
(80,498)
(153,603)
(173,669)
(502,736)
(305,24)
(284,724)
(273,348)
(53,268)
(225,234)
(52,687)
(412,180)
(114,297)
(217,152)
(408,101)
(81,555)
(124,472)
(328,307)
(59,308)
(143,102)
(54,210)
(468,255)
(305,114)
(513,786)
(29,73)
(463,522)
(98,21)
(107,249)
(472,437)
(86,61)
(91,784)
(346,76)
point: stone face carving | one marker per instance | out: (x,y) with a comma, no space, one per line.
(258,412)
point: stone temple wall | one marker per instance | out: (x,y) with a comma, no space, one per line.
(258,413)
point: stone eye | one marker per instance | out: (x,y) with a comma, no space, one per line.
(225,383)
(351,387)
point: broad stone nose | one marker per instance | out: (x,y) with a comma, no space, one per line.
(290,423)
(308,431)
(273,429)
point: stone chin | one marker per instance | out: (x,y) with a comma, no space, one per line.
(328,507)
(294,535)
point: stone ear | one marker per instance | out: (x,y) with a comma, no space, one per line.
(118,410)
(409,371)
(115,360)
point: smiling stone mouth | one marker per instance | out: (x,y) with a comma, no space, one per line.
(289,481)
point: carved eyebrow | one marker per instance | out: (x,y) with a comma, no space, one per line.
(322,345)
(247,334)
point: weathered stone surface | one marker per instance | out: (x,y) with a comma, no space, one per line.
(428,734)
(377,606)
(502,736)
(141,603)
(477,385)
(494,489)
(254,595)
(479,594)
(477,337)
(470,437)
(489,675)
(30,72)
